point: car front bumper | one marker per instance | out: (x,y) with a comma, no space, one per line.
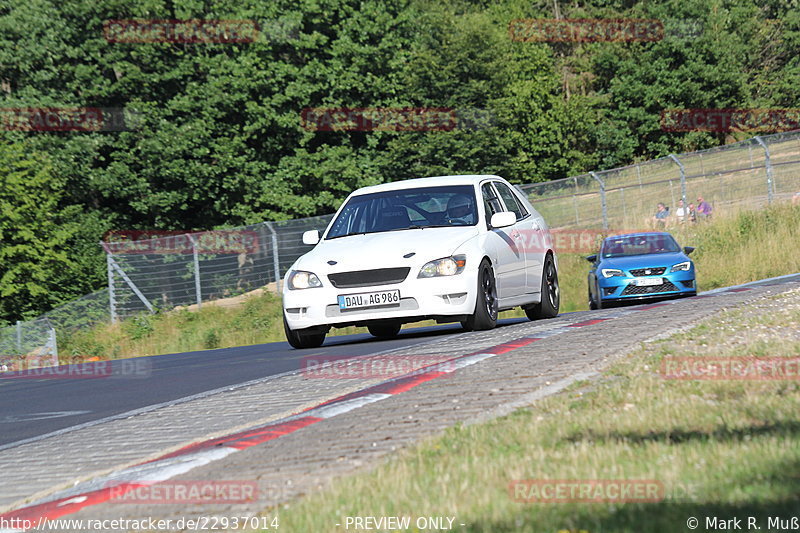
(420,298)
(618,288)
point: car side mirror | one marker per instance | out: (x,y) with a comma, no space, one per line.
(503,219)
(688,249)
(591,258)
(311,237)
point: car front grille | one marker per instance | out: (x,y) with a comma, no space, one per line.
(366,278)
(654,271)
(667,286)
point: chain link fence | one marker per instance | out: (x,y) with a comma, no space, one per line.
(187,269)
(30,344)
(746,174)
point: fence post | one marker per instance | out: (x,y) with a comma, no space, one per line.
(639,175)
(276,264)
(19,336)
(54,345)
(131,284)
(575,200)
(768,164)
(197,292)
(602,197)
(112,299)
(683,185)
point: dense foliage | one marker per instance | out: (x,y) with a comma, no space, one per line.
(218,138)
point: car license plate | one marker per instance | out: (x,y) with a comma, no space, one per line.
(368,299)
(648,282)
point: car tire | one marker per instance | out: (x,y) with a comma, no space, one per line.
(385,330)
(592,304)
(485,314)
(550,294)
(599,304)
(301,339)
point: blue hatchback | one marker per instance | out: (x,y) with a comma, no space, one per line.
(640,266)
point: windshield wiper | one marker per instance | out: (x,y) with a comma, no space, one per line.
(348,235)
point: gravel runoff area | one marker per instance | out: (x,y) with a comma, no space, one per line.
(308,459)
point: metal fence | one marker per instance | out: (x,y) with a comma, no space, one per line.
(746,174)
(30,344)
(189,269)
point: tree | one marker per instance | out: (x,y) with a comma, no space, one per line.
(35,235)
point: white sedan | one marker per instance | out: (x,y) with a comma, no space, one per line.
(450,248)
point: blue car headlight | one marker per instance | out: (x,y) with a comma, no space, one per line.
(610,272)
(686,265)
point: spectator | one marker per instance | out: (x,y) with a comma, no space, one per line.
(681,213)
(796,198)
(692,213)
(703,208)
(661,217)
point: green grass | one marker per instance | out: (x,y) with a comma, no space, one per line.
(731,249)
(720,448)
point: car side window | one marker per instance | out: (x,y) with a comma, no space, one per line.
(490,201)
(512,204)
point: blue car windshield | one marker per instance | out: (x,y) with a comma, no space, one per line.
(638,245)
(422,207)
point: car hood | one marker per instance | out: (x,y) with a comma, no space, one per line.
(644,261)
(385,250)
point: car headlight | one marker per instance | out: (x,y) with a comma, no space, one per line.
(609,272)
(300,279)
(446,266)
(686,265)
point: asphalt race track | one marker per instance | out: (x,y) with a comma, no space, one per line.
(36,407)
(33,408)
(215,414)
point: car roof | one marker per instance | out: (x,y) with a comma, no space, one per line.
(467,179)
(639,234)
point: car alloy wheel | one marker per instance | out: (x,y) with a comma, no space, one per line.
(486,304)
(550,300)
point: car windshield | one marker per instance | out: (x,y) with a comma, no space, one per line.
(639,245)
(422,207)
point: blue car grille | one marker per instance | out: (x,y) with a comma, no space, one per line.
(667,286)
(653,271)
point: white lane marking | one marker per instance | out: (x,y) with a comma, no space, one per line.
(343,406)
(466,361)
(30,417)
(147,473)
(77,499)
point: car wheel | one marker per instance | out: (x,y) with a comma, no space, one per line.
(303,339)
(550,295)
(386,330)
(592,305)
(485,315)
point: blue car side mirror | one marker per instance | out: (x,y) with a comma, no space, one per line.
(592,258)
(688,249)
